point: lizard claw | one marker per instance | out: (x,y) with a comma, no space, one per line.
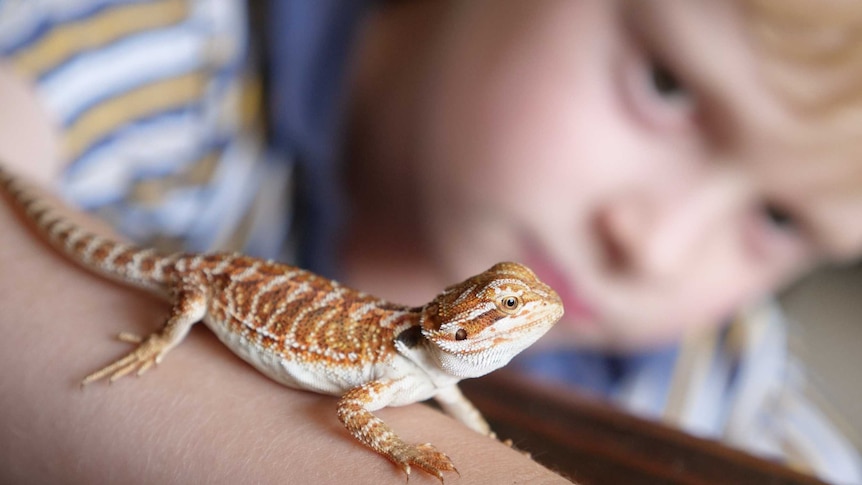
(511,444)
(425,457)
(130,338)
(147,353)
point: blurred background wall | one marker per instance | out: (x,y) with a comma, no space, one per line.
(827,307)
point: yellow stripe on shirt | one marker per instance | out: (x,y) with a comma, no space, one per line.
(66,40)
(137,104)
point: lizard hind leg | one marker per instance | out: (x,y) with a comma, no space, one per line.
(189,308)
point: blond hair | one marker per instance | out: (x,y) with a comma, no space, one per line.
(810,54)
(813,50)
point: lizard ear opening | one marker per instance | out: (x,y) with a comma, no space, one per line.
(411,336)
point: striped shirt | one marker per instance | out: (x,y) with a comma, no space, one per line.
(159,116)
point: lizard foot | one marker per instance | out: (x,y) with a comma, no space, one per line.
(425,457)
(148,352)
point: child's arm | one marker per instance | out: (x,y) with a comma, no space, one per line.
(27,135)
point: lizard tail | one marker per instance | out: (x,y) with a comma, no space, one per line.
(108,257)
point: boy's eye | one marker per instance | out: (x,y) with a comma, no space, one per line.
(778,234)
(664,81)
(778,217)
(656,95)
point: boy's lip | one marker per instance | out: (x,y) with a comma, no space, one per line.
(577,310)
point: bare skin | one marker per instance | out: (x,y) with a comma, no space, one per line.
(203,416)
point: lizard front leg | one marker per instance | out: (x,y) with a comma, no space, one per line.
(355,413)
(189,308)
(459,407)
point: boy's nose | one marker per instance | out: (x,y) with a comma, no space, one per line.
(660,234)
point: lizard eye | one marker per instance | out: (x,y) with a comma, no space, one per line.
(461,334)
(509,303)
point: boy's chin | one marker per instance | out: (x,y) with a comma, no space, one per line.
(574,334)
(593,335)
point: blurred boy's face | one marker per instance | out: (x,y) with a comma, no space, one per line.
(633,155)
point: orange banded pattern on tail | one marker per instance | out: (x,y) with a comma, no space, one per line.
(134,265)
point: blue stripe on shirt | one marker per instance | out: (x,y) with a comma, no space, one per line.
(177,53)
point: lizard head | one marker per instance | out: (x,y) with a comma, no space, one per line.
(477,326)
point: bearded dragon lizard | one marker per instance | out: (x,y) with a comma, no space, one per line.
(312,333)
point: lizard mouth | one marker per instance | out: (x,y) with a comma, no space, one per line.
(546,319)
(540,322)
